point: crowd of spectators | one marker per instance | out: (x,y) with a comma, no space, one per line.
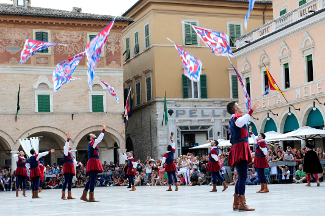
(191,171)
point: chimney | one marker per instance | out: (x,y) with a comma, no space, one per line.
(29,3)
(76,9)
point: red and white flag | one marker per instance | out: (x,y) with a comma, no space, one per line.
(127,107)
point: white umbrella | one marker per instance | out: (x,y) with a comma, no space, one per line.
(303,133)
(269,137)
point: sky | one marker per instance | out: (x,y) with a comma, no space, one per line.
(104,7)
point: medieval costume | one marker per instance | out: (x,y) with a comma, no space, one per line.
(312,164)
(170,167)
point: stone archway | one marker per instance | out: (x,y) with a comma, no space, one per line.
(6,143)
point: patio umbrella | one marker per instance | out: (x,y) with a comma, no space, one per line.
(272,134)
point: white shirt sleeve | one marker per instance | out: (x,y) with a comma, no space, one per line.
(135,164)
(215,157)
(66,148)
(254,137)
(172,144)
(42,155)
(125,157)
(75,162)
(264,150)
(27,166)
(240,122)
(98,140)
(16,157)
(163,160)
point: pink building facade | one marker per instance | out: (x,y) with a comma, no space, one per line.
(292,47)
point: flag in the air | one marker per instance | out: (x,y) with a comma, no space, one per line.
(272,83)
(192,65)
(250,8)
(165,111)
(217,41)
(111,90)
(18,105)
(63,71)
(127,108)
(247,98)
(31,47)
(94,50)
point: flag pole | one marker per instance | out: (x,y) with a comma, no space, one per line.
(171,40)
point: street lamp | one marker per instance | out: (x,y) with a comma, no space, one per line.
(268,117)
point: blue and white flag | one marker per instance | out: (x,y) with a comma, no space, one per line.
(250,8)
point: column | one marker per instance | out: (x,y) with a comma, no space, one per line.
(121,159)
(13,161)
(303,143)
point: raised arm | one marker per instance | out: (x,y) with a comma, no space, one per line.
(124,155)
(44,154)
(172,143)
(241,121)
(66,146)
(100,137)
(15,156)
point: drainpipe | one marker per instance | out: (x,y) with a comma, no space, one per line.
(263,14)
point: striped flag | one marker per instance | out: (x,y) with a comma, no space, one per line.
(31,47)
(127,107)
(110,88)
(247,98)
(250,8)
(272,83)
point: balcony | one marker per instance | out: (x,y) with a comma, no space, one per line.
(280,22)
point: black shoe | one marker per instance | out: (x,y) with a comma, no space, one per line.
(129,187)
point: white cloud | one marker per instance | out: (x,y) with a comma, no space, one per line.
(104,7)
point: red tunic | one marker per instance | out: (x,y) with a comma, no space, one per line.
(42,172)
(260,160)
(131,171)
(213,165)
(170,165)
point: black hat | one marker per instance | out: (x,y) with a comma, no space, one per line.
(309,146)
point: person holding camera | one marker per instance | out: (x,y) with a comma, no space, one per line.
(260,160)
(214,166)
(170,167)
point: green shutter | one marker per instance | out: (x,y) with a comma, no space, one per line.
(188,38)
(136,43)
(302,2)
(127,44)
(284,11)
(148,83)
(91,37)
(203,86)
(234,81)
(238,32)
(185,86)
(247,80)
(232,34)
(286,66)
(97,103)
(146,31)
(309,58)
(44,104)
(38,36)
(193,35)
(138,92)
(42,36)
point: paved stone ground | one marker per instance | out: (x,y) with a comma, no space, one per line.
(290,199)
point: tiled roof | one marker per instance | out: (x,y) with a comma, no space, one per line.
(9,9)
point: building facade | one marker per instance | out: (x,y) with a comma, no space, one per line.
(291,47)
(74,108)
(153,68)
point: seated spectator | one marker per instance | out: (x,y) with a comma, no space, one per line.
(6,182)
(101,181)
(301,176)
(182,180)
(52,184)
(234,178)
(195,175)
(137,179)
(252,177)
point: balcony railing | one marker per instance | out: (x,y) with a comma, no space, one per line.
(280,22)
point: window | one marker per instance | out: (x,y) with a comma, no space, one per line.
(44,103)
(310,72)
(283,11)
(266,81)
(91,37)
(234,82)
(147,35)
(136,42)
(234,32)
(97,103)
(302,2)
(190,34)
(148,88)
(193,89)
(138,93)
(42,36)
(21,3)
(248,86)
(127,51)
(286,76)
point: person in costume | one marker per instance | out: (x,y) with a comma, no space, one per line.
(42,169)
(240,153)
(312,165)
(69,169)
(170,167)
(94,165)
(260,160)
(35,172)
(21,172)
(214,167)
(132,168)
